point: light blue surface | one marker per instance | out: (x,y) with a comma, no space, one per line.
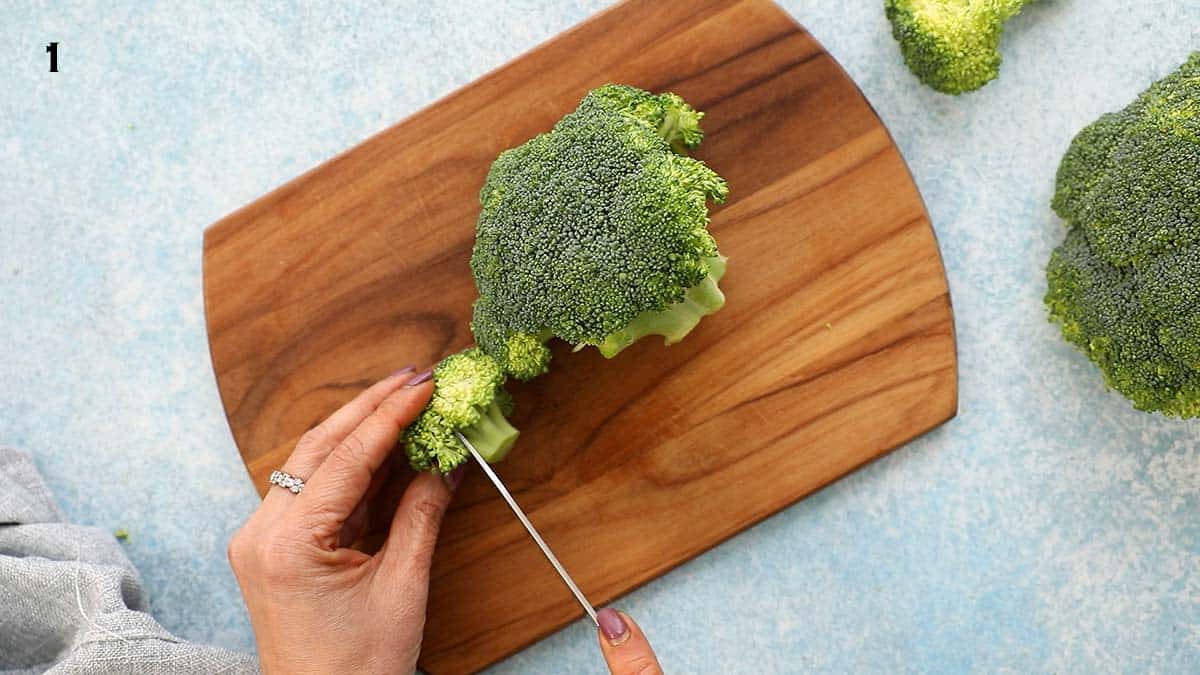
(1050,527)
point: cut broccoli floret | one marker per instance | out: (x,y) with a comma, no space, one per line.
(588,231)
(1125,284)
(468,397)
(951,45)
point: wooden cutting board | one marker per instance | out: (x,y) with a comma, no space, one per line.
(835,346)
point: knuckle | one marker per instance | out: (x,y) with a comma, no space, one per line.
(246,552)
(351,450)
(269,559)
(345,469)
(324,513)
(425,521)
(275,575)
(237,551)
(395,408)
(427,514)
(273,548)
(276,560)
(314,438)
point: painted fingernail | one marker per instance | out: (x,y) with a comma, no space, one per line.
(419,378)
(455,477)
(405,369)
(612,626)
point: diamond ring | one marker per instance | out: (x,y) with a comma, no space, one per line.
(286,481)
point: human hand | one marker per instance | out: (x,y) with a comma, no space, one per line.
(626,649)
(317,606)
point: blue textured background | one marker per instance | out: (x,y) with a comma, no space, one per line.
(1048,528)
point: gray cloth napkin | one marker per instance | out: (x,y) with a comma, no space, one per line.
(71,602)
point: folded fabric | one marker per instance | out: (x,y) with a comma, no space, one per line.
(71,601)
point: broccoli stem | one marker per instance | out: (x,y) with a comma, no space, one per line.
(676,128)
(676,321)
(492,435)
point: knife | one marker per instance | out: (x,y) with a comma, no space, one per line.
(537,538)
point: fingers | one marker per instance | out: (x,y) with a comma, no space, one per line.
(356,524)
(342,480)
(626,649)
(383,507)
(315,445)
(412,537)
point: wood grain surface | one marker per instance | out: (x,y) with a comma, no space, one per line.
(836,343)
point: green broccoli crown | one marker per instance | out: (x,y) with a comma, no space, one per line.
(951,45)
(586,227)
(1125,284)
(468,397)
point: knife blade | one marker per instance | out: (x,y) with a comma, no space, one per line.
(533,533)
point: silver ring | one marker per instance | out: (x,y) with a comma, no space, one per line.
(286,481)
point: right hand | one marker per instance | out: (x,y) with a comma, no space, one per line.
(626,649)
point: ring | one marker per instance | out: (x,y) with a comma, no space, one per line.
(286,481)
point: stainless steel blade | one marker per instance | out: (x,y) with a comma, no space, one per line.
(537,538)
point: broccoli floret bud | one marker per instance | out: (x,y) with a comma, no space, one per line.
(594,225)
(527,356)
(468,397)
(951,45)
(1125,284)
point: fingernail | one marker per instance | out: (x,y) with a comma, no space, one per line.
(405,369)
(612,626)
(455,477)
(419,378)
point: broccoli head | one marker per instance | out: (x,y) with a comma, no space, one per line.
(597,232)
(468,397)
(951,45)
(1125,284)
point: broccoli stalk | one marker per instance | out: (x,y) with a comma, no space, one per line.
(468,397)
(492,435)
(951,45)
(677,320)
(597,232)
(1124,286)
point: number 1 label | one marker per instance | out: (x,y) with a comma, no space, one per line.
(52,50)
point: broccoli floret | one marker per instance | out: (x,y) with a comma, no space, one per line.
(469,397)
(951,45)
(524,356)
(677,320)
(671,116)
(1125,284)
(597,232)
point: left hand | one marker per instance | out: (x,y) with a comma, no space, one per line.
(318,606)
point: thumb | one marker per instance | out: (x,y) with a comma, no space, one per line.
(625,648)
(408,551)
